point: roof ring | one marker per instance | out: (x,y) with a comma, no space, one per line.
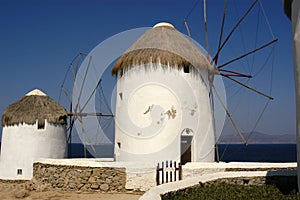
(161,24)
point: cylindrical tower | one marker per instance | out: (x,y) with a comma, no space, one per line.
(162,106)
(33,127)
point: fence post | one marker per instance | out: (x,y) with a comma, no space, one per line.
(157,174)
(167,171)
(171,171)
(162,173)
(180,171)
(175,171)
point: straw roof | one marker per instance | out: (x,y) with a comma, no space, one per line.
(34,106)
(163,44)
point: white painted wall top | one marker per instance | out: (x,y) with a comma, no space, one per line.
(161,24)
(198,165)
(36,92)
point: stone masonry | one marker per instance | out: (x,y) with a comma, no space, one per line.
(119,177)
(64,177)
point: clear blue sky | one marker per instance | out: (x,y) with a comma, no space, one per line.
(39,38)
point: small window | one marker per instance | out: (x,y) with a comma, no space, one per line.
(119,145)
(186,69)
(19,171)
(121,95)
(41,124)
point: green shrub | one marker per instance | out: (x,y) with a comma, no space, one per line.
(227,191)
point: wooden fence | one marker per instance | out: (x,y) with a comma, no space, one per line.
(168,171)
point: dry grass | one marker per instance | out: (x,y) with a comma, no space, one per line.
(163,45)
(29,109)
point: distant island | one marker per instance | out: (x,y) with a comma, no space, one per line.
(258,138)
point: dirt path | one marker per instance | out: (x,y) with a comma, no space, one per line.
(57,195)
(10,191)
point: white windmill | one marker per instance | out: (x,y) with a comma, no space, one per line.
(165,95)
(33,127)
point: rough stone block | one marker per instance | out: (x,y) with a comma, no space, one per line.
(104,187)
(94,186)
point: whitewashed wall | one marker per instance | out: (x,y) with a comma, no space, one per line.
(296,50)
(147,127)
(22,144)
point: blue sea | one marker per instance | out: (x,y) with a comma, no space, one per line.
(227,152)
(258,152)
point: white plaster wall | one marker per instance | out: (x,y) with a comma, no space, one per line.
(144,129)
(140,178)
(22,144)
(195,169)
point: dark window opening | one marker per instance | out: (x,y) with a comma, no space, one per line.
(121,95)
(41,124)
(19,171)
(186,69)
(119,145)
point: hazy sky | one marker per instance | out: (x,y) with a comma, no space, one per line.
(38,40)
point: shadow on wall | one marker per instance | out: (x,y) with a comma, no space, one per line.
(286,184)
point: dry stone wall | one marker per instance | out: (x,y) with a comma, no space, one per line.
(107,176)
(281,181)
(64,177)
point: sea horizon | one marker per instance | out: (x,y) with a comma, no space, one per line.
(227,152)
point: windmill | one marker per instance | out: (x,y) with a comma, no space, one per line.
(79,101)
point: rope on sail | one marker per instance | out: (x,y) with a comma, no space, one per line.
(256,38)
(78,56)
(229,115)
(189,13)
(267,103)
(105,100)
(236,26)
(266,18)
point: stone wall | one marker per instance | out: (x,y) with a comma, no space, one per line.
(108,176)
(78,178)
(286,184)
(92,175)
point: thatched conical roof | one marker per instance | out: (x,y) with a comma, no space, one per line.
(163,44)
(32,107)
